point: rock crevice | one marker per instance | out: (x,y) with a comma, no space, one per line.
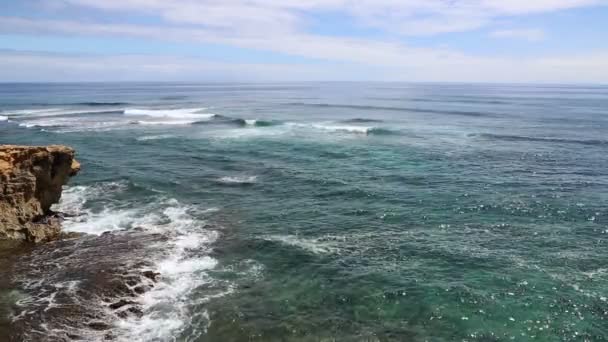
(31,180)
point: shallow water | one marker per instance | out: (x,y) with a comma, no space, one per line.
(334,211)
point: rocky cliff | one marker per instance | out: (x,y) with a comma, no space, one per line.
(31,180)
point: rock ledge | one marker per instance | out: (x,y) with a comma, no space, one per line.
(31,180)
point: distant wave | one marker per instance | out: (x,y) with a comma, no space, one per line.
(48,112)
(388,108)
(221,119)
(468,101)
(592,142)
(86,103)
(361,120)
(176,97)
(93,104)
(3,118)
(161,122)
(440,100)
(155,137)
(184,116)
(356,129)
(169,113)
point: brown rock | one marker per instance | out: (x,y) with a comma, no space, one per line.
(31,180)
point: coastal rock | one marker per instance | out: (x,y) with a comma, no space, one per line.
(31,180)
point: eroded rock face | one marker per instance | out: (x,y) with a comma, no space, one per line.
(31,180)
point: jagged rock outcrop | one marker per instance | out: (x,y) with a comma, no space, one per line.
(31,180)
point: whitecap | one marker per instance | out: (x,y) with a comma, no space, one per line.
(46,112)
(3,118)
(193,113)
(164,122)
(238,179)
(345,129)
(155,137)
(183,116)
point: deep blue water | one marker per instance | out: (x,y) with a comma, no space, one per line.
(342,211)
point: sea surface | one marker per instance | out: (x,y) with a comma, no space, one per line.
(317,212)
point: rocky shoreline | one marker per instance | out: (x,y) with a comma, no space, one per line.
(31,180)
(80,288)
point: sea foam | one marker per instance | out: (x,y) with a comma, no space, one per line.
(182,258)
(184,116)
(238,179)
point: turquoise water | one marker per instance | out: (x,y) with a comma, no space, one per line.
(347,211)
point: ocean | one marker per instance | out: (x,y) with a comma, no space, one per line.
(317,212)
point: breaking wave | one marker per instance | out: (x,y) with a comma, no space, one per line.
(179,251)
(169,113)
(355,129)
(169,116)
(51,112)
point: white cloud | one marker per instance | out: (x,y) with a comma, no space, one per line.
(280,27)
(408,17)
(532,35)
(38,66)
(41,67)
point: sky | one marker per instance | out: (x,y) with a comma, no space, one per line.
(527,41)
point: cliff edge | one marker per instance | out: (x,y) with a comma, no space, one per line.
(31,180)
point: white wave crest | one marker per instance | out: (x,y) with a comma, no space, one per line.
(59,111)
(186,113)
(184,116)
(164,122)
(3,118)
(238,179)
(345,129)
(155,137)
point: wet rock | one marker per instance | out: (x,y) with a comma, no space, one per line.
(141,289)
(151,275)
(31,180)
(131,281)
(116,288)
(99,326)
(135,311)
(121,303)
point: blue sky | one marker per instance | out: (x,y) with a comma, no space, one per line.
(559,41)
